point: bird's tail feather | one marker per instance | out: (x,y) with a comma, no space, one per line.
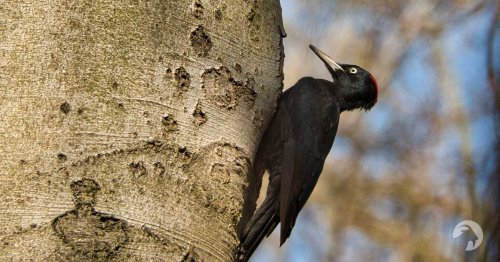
(263,222)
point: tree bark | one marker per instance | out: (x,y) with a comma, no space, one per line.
(127,128)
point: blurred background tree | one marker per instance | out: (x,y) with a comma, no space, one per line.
(426,157)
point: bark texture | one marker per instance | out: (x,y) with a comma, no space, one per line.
(127,128)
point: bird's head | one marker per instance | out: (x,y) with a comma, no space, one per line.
(357,88)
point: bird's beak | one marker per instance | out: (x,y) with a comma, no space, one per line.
(326,59)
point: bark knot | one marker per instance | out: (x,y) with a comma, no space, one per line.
(91,235)
(225,91)
(201,41)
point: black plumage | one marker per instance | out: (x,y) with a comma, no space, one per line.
(297,141)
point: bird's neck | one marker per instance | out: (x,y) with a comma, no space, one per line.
(349,103)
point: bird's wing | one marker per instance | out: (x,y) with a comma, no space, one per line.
(310,132)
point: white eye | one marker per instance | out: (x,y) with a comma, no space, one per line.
(353,70)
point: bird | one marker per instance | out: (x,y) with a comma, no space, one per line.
(294,147)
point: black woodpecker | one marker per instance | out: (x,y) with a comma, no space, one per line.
(297,141)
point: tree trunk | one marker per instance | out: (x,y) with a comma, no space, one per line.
(127,128)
